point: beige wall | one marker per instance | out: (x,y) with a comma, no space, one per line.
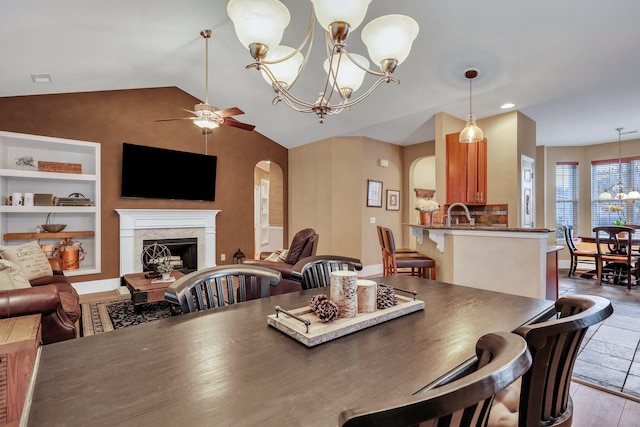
(584,156)
(327,189)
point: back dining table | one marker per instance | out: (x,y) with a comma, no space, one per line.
(227,366)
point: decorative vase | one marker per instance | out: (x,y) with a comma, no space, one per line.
(166,276)
(426,218)
(70,259)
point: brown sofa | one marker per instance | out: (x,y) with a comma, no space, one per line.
(304,244)
(51,296)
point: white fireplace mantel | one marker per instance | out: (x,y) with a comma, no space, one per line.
(138,219)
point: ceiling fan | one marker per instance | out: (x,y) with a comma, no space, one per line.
(207,116)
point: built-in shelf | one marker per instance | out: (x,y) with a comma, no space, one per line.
(16,222)
(59,235)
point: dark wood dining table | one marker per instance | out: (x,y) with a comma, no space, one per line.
(228,367)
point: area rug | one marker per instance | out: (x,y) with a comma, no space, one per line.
(105,316)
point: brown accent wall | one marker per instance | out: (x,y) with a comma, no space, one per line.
(113,117)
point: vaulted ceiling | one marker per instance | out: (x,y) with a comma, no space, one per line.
(568,65)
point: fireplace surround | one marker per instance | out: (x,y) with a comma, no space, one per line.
(137,225)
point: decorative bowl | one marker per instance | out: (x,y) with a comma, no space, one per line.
(53,228)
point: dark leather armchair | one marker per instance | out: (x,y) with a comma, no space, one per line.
(304,244)
(51,296)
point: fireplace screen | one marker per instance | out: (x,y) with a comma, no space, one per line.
(183,253)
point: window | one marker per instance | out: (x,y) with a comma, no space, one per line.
(566,196)
(606,174)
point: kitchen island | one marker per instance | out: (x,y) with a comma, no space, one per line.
(516,261)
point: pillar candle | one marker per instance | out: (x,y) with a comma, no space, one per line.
(344,292)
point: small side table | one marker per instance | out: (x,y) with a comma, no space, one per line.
(143,291)
(20,339)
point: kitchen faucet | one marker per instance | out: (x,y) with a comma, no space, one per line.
(466,212)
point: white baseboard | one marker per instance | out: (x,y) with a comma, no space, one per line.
(94,286)
(371,271)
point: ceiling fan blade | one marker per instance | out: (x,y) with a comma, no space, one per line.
(228,112)
(233,122)
(180,108)
(179,118)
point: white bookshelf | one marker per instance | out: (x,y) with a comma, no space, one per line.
(19,224)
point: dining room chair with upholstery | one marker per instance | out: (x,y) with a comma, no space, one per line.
(542,398)
(315,271)
(577,256)
(615,260)
(222,285)
(415,264)
(502,357)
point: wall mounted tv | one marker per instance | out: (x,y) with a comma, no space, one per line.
(159,173)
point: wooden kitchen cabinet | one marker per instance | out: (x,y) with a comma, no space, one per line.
(466,171)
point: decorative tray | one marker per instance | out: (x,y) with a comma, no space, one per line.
(309,330)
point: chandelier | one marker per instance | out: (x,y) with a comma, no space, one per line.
(618,188)
(260,24)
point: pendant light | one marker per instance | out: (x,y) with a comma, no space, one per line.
(471,131)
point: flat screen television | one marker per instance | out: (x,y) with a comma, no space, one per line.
(159,173)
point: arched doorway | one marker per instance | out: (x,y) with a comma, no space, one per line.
(268,197)
(422,174)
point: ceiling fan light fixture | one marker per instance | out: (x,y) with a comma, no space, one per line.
(471,132)
(206,123)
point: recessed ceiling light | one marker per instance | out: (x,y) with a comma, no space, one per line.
(507,105)
(41,78)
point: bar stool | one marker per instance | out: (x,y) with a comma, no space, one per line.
(415,264)
(381,240)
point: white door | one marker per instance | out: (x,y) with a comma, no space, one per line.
(527,203)
(256,220)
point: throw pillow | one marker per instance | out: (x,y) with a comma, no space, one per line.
(30,259)
(11,277)
(279,255)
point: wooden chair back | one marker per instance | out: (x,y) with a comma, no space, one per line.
(218,286)
(614,248)
(568,237)
(502,357)
(554,346)
(315,271)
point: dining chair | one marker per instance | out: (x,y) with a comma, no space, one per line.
(315,271)
(218,286)
(635,245)
(577,255)
(415,264)
(502,357)
(543,397)
(615,258)
(381,239)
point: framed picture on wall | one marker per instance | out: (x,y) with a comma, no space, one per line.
(393,200)
(374,193)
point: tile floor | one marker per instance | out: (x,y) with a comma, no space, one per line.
(610,355)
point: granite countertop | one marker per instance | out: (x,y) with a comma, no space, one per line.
(482,228)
